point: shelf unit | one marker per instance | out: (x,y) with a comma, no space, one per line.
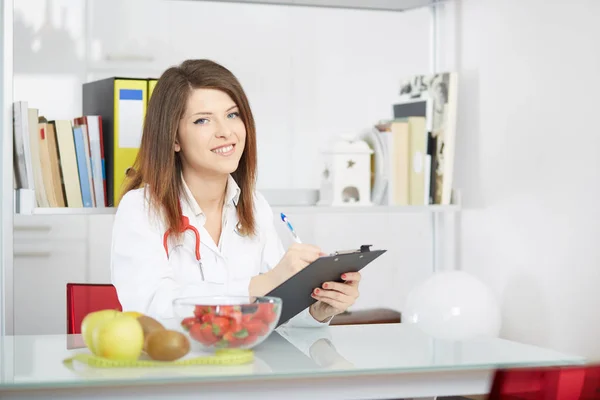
(438,214)
(291,209)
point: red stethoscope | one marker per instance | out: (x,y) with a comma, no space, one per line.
(183,227)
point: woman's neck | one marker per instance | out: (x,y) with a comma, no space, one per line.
(209,192)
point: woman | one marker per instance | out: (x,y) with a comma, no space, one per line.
(197,160)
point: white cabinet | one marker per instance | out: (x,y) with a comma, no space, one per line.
(99,236)
(40,281)
(49,252)
(124,34)
(53,228)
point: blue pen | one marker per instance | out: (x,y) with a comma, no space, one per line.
(291,228)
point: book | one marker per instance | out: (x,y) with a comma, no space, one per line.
(442,90)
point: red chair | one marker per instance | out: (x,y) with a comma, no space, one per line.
(84,298)
(549,383)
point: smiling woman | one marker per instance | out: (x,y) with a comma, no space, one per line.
(211,141)
(190,221)
(189,111)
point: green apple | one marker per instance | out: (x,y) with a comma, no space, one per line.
(120,338)
(93,320)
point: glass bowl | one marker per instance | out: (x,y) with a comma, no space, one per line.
(227,322)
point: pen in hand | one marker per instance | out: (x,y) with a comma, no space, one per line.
(291,228)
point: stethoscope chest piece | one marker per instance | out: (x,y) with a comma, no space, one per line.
(201,269)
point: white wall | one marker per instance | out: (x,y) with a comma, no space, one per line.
(310,74)
(528,165)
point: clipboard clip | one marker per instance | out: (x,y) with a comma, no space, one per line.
(363,249)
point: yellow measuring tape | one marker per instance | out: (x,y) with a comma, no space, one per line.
(221,357)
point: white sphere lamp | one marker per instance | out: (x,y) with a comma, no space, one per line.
(453,305)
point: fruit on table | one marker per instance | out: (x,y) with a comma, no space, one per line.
(167,345)
(119,338)
(265,312)
(135,314)
(149,325)
(203,333)
(188,322)
(228,326)
(91,322)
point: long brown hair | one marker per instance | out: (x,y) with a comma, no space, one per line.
(158,167)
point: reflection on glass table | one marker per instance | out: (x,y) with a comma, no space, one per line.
(361,361)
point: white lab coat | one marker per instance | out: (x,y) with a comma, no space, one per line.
(148,281)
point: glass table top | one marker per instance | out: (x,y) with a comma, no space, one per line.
(37,361)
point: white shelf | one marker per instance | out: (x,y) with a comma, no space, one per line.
(364,209)
(377,5)
(292,209)
(71,211)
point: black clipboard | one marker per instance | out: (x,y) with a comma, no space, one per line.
(295,292)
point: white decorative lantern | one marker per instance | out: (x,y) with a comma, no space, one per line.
(454,305)
(346,175)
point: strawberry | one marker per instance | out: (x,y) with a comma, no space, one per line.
(187,323)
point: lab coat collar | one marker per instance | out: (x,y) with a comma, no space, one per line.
(232,195)
(192,210)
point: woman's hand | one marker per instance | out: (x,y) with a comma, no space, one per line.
(335,297)
(298,256)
